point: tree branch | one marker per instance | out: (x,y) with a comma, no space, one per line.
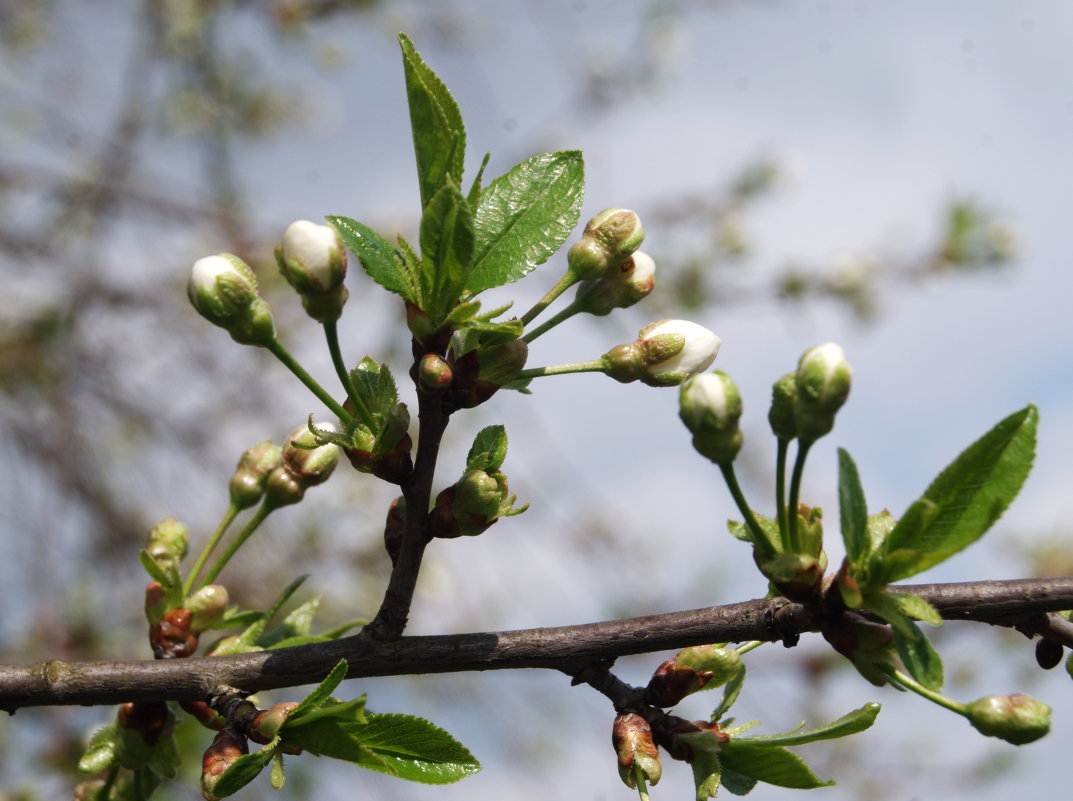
(567,648)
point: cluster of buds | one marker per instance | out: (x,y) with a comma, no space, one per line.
(472,504)
(223,290)
(804,403)
(243,722)
(710,407)
(665,354)
(609,239)
(697,668)
(313,259)
(386,453)
(167,544)
(307,458)
(250,478)
(622,285)
(631,736)
(475,376)
(228,745)
(174,633)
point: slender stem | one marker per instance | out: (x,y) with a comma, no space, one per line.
(331,333)
(760,539)
(639,780)
(547,325)
(259,517)
(276,349)
(105,793)
(564,284)
(780,484)
(210,546)
(594,366)
(792,543)
(909,683)
(745,647)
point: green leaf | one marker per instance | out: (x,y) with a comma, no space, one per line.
(707,771)
(168,578)
(730,695)
(295,624)
(768,527)
(964,501)
(525,216)
(399,745)
(853,511)
(439,135)
(920,658)
(320,695)
(250,636)
(917,607)
(737,783)
(352,711)
(473,197)
(278,776)
(489,449)
(887,607)
(851,723)
(101,751)
(769,763)
(446,251)
(244,770)
(235,618)
(377,256)
(375,385)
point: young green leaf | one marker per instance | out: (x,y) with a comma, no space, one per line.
(295,624)
(244,770)
(352,711)
(963,502)
(278,775)
(737,783)
(319,696)
(101,751)
(853,511)
(524,216)
(377,256)
(916,607)
(375,386)
(707,772)
(439,135)
(489,449)
(730,695)
(769,763)
(920,658)
(851,723)
(446,251)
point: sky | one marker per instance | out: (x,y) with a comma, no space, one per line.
(881,113)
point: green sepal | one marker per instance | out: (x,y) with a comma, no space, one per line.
(962,502)
(244,770)
(489,449)
(524,216)
(438,131)
(380,260)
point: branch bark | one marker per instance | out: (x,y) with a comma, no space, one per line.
(566,648)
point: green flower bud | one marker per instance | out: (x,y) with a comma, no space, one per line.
(710,407)
(500,364)
(631,737)
(783,400)
(587,260)
(673,350)
(248,481)
(167,543)
(621,287)
(225,750)
(1017,718)
(207,607)
(618,232)
(434,373)
(822,382)
(307,457)
(313,259)
(282,488)
(223,290)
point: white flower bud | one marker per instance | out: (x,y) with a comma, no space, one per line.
(673,350)
(223,290)
(822,384)
(313,257)
(710,407)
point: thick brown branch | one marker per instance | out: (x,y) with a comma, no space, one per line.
(568,648)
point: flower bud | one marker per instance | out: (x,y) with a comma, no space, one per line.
(618,232)
(500,364)
(472,504)
(586,259)
(282,488)
(1017,718)
(207,607)
(781,414)
(223,290)
(673,350)
(313,259)
(226,748)
(248,481)
(822,385)
(309,462)
(266,724)
(631,737)
(434,373)
(622,286)
(710,407)
(167,543)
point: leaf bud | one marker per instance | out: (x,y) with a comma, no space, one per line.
(781,414)
(172,638)
(631,736)
(434,373)
(710,407)
(167,543)
(306,455)
(225,750)
(822,385)
(697,668)
(1017,718)
(266,724)
(622,286)
(207,607)
(223,290)
(472,504)
(204,714)
(395,528)
(1048,653)
(248,481)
